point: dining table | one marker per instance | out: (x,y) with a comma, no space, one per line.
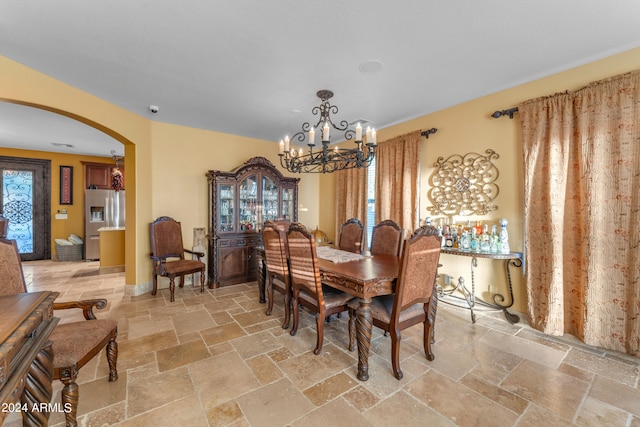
(362,275)
(364,278)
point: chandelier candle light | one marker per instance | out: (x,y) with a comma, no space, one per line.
(324,159)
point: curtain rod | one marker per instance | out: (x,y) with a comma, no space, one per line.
(428,132)
(510,112)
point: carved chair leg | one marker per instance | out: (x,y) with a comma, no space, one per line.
(70,394)
(396,337)
(269,292)
(287,310)
(202,281)
(112,356)
(428,336)
(172,288)
(320,332)
(155,284)
(296,313)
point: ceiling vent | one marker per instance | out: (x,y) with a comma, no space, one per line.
(362,122)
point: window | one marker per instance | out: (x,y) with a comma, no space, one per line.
(371,200)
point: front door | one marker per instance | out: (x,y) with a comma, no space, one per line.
(26,201)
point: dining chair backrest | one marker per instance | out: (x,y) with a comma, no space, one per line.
(275,251)
(11,269)
(166,238)
(303,260)
(387,238)
(418,271)
(351,235)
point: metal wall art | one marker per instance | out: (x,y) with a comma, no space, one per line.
(464,185)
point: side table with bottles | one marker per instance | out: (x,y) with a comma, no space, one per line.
(460,295)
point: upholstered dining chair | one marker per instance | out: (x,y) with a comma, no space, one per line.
(277,268)
(73,343)
(387,238)
(414,300)
(351,235)
(167,253)
(307,288)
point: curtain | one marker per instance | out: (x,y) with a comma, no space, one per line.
(351,196)
(582,212)
(397,177)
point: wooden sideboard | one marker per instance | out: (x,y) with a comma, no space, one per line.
(26,358)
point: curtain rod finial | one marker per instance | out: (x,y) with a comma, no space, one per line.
(510,112)
(428,132)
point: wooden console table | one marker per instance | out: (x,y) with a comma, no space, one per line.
(26,358)
(448,295)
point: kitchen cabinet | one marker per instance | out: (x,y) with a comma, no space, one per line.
(98,175)
(240,201)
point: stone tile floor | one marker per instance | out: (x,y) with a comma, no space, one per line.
(215,359)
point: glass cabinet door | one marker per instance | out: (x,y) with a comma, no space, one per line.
(287,204)
(248,201)
(227,205)
(269,199)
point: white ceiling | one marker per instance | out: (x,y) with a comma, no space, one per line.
(253,67)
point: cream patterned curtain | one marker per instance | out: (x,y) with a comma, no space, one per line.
(397,177)
(351,196)
(582,212)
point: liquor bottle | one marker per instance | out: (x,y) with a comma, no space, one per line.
(494,240)
(465,241)
(504,237)
(485,243)
(478,228)
(454,237)
(448,239)
(473,245)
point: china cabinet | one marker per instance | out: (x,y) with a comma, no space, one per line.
(240,201)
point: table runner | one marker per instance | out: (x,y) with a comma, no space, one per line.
(336,255)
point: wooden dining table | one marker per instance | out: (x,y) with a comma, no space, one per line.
(364,278)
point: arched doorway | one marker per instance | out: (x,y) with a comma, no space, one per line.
(23,134)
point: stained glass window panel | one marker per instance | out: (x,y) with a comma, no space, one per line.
(17,206)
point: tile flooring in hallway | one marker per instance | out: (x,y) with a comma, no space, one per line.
(215,359)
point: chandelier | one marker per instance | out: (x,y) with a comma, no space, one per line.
(324,159)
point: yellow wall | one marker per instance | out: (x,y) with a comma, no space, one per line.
(179,172)
(166,164)
(469,127)
(61,228)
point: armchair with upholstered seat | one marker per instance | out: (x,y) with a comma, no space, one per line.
(73,343)
(414,300)
(167,253)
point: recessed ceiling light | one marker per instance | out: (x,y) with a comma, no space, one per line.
(370,67)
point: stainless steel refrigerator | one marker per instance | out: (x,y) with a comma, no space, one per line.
(103,208)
